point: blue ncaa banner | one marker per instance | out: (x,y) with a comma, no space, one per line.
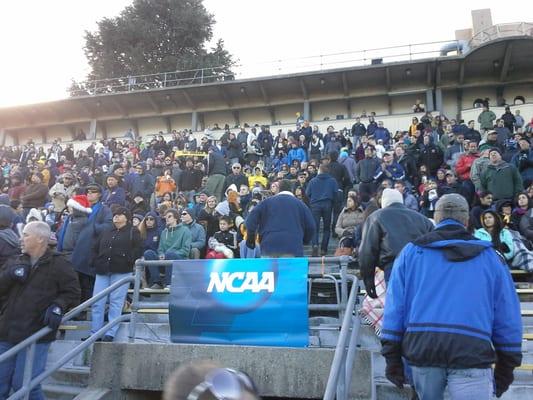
(258,302)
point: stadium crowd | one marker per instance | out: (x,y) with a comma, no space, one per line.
(120,199)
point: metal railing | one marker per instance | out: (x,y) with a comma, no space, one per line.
(321,269)
(312,63)
(501,31)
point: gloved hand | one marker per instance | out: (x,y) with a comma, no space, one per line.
(503,377)
(19,272)
(394,372)
(250,241)
(53,316)
(370,286)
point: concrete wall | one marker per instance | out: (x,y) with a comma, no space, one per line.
(293,373)
(287,113)
(329,109)
(151,126)
(254,116)
(469,95)
(117,128)
(180,122)
(219,117)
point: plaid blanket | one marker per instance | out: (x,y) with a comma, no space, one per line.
(371,311)
(523,257)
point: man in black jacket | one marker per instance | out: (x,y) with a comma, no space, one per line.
(36,289)
(341,175)
(216,170)
(385,233)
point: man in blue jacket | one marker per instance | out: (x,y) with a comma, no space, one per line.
(322,192)
(452,311)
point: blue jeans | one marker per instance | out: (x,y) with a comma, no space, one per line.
(116,301)
(155,274)
(12,370)
(322,210)
(463,384)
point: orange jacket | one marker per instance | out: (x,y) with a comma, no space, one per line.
(164,185)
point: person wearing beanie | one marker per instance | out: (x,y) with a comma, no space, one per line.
(385,233)
(117,249)
(35,194)
(428,323)
(79,210)
(62,190)
(9,241)
(500,177)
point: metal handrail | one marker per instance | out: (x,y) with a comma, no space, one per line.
(28,384)
(206,75)
(501,30)
(338,384)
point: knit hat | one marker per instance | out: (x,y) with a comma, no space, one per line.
(390,196)
(80,203)
(451,206)
(34,215)
(6,216)
(230,188)
(122,211)
(94,187)
(497,150)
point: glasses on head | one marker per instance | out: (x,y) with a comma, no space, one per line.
(224,384)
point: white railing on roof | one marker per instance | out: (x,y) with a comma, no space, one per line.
(313,63)
(501,31)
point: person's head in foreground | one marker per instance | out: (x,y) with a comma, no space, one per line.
(207,380)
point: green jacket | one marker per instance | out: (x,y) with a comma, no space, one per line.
(177,239)
(503,180)
(486,119)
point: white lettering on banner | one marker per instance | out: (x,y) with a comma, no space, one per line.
(240,282)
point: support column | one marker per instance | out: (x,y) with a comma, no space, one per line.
(3,134)
(349,108)
(389,105)
(42,131)
(430,105)
(103,128)
(92,129)
(459,101)
(168,124)
(272,113)
(307,110)
(438,100)
(194,121)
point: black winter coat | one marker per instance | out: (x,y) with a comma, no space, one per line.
(117,250)
(23,305)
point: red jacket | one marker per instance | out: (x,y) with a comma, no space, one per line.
(462,168)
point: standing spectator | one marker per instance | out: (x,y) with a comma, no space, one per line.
(216,170)
(296,153)
(27,307)
(408,163)
(322,193)
(358,131)
(518,121)
(283,224)
(389,169)
(175,244)
(500,177)
(385,233)
(344,182)
(114,194)
(9,241)
(508,119)
(430,155)
(486,119)
(449,341)
(190,179)
(83,255)
(116,251)
(35,194)
(316,147)
(382,133)
(62,191)
(523,160)
(78,214)
(419,107)
(479,166)
(503,133)
(364,173)
(236,177)
(164,184)
(349,163)
(197,234)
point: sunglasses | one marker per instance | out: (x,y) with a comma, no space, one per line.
(93,191)
(236,167)
(224,384)
(184,213)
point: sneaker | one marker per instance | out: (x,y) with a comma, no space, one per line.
(156,286)
(108,338)
(314,251)
(323,252)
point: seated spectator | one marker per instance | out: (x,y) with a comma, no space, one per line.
(208,216)
(165,184)
(429,198)
(493,231)
(419,107)
(349,219)
(114,194)
(223,244)
(522,204)
(257,179)
(197,234)
(175,244)
(484,203)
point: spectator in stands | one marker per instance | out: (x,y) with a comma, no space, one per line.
(236,177)
(385,233)
(521,205)
(430,155)
(415,126)
(523,160)
(208,217)
(322,193)
(358,131)
(17,187)
(140,183)
(519,121)
(197,234)
(500,177)
(471,134)
(493,230)
(316,147)
(62,190)
(174,244)
(389,169)
(447,352)
(463,167)
(164,184)
(27,307)
(508,119)
(83,254)
(114,194)
(372,126)
(408,164)
(78,213)
(9,241)
(349,220)
(349,163)
(503,133)
(418,107)
(486,119)
(409,200)
(216,172)
(484,204)
(382,133)
(223,244)
(365,171)
(283,224)
(35,194)
(190,179)
(117,249)
(455,150)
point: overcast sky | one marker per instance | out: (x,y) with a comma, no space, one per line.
(41,42)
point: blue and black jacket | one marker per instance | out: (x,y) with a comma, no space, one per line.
(451,303)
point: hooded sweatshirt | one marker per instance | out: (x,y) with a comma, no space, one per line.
(176,239)
(9,244)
